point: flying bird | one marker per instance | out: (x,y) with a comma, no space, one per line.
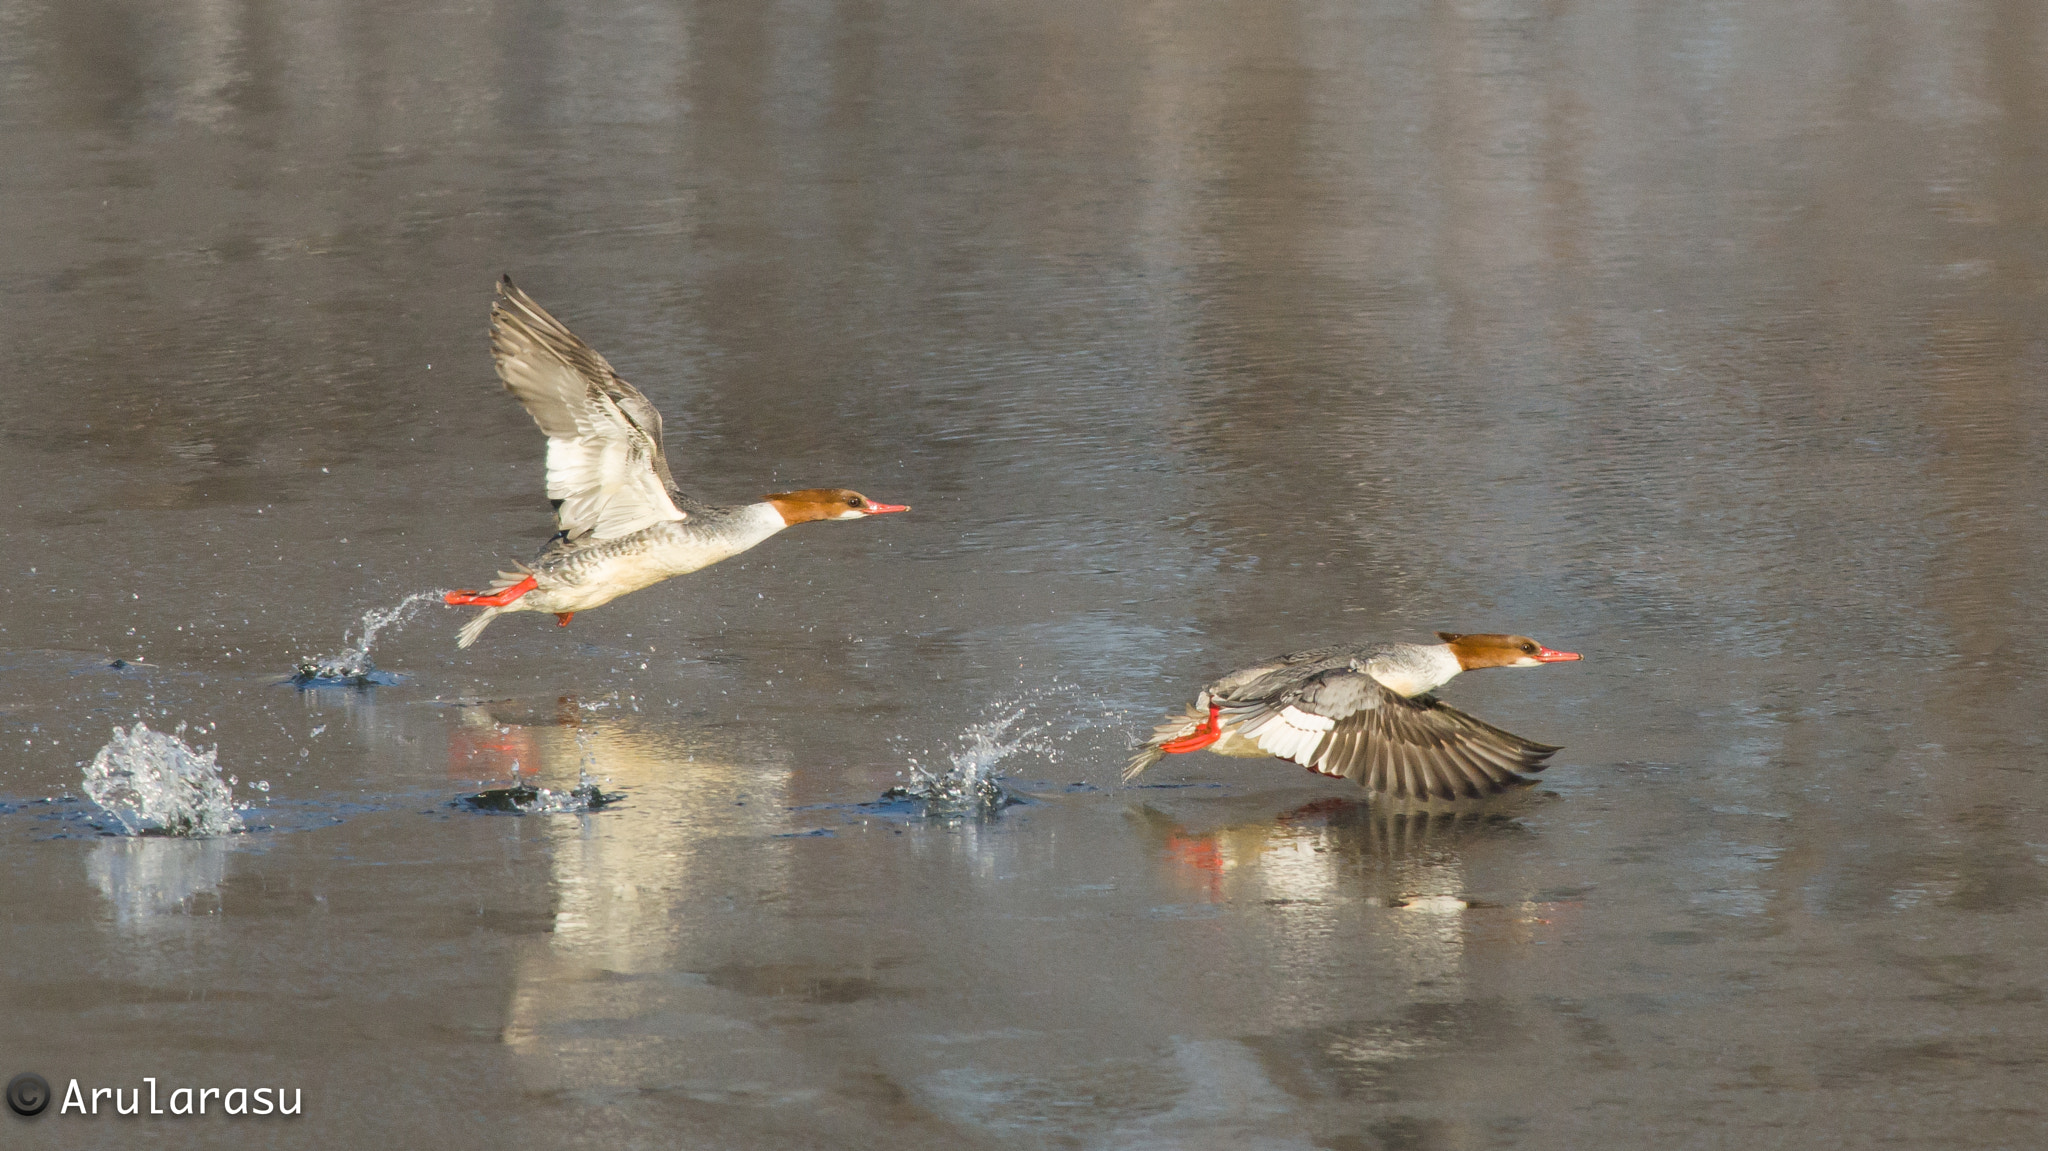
(621,523)
(1365,712)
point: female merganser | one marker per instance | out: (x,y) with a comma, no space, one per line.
(622,523)
(1363,711)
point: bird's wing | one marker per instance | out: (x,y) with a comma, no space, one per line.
(605,465)
(1342,722)
(1271,676)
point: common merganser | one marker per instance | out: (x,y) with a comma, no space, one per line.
(1364,712)
(622,523)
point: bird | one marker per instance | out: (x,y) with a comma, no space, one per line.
(621,523)
(1364,712)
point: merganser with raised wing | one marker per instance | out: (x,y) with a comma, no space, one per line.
(622,524)
(1365,712)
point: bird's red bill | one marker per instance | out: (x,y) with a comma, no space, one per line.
(1550,655)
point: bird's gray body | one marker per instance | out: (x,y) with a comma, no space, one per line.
(576,575)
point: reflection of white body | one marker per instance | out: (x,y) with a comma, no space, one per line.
(1364,712)
(623,524)
(623,883)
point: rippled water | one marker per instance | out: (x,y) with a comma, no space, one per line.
(1704,339)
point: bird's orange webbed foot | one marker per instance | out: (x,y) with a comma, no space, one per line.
(500,598)
(562,618)
(1197,739)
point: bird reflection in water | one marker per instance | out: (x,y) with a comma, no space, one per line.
(1384,900)
(496,738)
(1397,856)
(697,831)
(1334,852)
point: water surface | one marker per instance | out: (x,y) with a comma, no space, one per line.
(1705,339)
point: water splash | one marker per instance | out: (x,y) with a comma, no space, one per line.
(527,799)
(157,784)
(967,783)
(352,668)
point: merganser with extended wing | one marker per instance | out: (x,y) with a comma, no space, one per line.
(622,524)
(1365,712)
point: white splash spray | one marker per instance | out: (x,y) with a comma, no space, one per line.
(967,782)
(353,667)
(157,784)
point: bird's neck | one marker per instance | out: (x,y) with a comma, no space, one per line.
(1410,669)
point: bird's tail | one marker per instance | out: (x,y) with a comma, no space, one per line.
(475,627)
(1146,757)
(1175,727)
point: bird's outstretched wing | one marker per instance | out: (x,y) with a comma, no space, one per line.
(1343,722)
(605,464)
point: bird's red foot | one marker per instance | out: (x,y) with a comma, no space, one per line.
(1197,739)
(500,598)
(562,618)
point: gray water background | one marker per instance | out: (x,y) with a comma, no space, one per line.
(1705,339)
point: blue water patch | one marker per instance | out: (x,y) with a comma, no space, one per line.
(304,814)
(76,817)
(311,676)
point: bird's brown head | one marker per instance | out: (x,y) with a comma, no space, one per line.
(1493,650)
(828,504)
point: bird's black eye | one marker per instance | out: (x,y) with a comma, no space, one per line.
(1530,648)
(853,501)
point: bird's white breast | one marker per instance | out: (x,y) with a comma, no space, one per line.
(688,548)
